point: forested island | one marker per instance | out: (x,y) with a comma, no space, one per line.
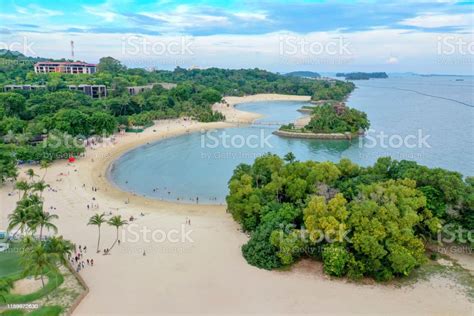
(331,120)
(362,75)
(373,221)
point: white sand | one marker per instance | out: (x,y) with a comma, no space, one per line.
(208,275)
(28,285)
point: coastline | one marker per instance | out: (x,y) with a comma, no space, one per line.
(338,136)
(209,274)
(176,128)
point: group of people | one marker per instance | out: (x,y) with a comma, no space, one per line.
(78,260)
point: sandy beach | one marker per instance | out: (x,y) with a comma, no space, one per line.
(202,271)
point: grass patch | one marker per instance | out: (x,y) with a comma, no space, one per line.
(10,261)
(431,268)
(42,311)
(55,279)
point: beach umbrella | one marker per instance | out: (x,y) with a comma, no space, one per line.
(72,159)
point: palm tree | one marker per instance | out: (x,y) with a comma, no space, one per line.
(31,173)
(59,246)
(44,164)
(19,218)
(36,261)
(5,287)
(98,220)
(40,186)
(289,157)
(22,186)
(43,219)
(117,222)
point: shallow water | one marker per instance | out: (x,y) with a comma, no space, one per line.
(191,166)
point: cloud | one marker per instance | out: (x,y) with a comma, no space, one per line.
(251,16)
(33,11)
(436,20)
(392,60)
(101,11)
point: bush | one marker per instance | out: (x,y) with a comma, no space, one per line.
(335,258)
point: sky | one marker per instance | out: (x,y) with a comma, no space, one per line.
(426,36)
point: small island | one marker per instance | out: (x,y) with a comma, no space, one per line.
(332,120)
(363,75)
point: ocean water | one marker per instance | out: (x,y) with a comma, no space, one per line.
(426,119)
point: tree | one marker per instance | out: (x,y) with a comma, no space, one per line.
(31,174)
(19,218)
(117,222)
(44,164)
(60,247)
(43,219)
(39,186)
(36,261)
(13,103)
(110,64)
(8,169)
(102,122)
(73,122)
(5,286)
(97,220)
(22,186)
(289,157)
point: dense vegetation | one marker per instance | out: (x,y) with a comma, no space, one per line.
(363,75)
(42,124)
(333,90)
(360,221)
(303,74)
(333,118)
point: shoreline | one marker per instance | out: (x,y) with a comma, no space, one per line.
(209,274)
(299,135)
(238,117)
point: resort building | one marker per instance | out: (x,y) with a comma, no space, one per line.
(11,87)
(94,91)
(65,67)
(139,89)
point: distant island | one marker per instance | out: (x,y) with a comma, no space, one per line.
(362,75)
(303,74)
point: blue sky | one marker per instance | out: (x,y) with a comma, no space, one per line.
(249,33)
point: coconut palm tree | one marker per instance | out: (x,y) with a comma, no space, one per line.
(98,220)
(117,222)
(36,261)
(42,219)
(31,174)
(22,186)
(19,218)
(44,164)
(59,246)
(5,286)
(40,186)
